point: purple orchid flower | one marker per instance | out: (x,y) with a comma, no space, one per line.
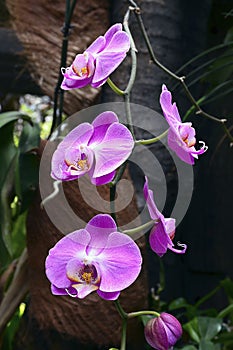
(164,229)
(97,258)
(163,332)
(96,149)
(181,136)
(99,60)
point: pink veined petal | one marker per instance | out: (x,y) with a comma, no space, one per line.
(102,180)
(58,291)
(172,326)
(75,82)
(100,83)
(72,245)
(159,239)
(115,148)
(99,227)
(174,144)
(119,264)
(108,295)
(148,195)
(84,289)
(111,31)
(101,123)
(170,225)
(170,110)
(120,42)
(105,118)
(78,136)
(59,169)
(178,251)
(83,65)
(156,335)
(106,63)
(97,46)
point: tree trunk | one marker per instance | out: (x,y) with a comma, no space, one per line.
(177,31)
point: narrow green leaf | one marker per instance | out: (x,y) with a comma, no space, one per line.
(12,116)
(192,329)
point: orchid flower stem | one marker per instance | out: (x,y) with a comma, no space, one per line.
(58,107)
(153,140)
(128,114)
(141,313)
(112,201)
(225,311)
(134,7)
(124,317)
(227,132)
(124,334)
(115,88)
(139,228)
(118,175)
(131,81)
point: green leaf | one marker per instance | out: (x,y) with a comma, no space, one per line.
(209,327)
(18,234)
(188,347)
(27,176)
(30,138)
(208,345)
(9,117)
(8,156)
(226,339)
(27,179)
(192,329)
(178,304)
(227,284)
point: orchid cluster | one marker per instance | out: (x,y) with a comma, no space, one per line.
(99,258)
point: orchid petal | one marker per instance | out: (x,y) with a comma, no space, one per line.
(170,110)
(84,289)
(108,295)
(176,145)
(101,123)
(115,148)
(72,245)
(97,46)
(111,31)
(79,136)
(106,63)
(119,263)
(99,227)
(101,180)
(159,239)
(148,195)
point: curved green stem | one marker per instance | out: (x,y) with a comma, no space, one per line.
(112,201)
(131,81)
(124,334)
(225,311)
(139,228)
(141,313)
(114,87)
(153,140)
(118,175)
(120,309)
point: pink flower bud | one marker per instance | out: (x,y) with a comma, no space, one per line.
(163,332)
